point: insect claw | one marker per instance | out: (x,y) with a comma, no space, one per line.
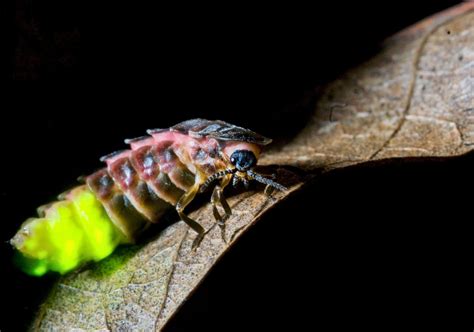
(221,225)
(236,232)
(197,241)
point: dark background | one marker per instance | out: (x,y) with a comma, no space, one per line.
(369,247)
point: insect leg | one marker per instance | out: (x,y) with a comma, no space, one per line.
(182,203)
(218,197)
(268,190)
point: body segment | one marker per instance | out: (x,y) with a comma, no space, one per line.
(137,186)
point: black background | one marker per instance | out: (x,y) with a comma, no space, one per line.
(369,247)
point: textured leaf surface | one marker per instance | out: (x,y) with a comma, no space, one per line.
(415,98)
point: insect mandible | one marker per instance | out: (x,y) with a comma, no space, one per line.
(166,169)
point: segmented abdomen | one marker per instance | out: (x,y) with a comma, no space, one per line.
(140,184)
(135,189)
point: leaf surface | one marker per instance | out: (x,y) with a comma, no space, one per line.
(415,98)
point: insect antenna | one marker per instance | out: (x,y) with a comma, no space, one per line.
(266,181)
(216,176)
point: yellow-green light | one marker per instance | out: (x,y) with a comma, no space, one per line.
(72,232)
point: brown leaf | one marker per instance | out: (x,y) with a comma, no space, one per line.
(412,99)
(415,98)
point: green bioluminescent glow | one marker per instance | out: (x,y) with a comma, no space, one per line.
(71,233)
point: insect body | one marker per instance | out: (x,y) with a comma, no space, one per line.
(163,170)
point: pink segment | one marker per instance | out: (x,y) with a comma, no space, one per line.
(116,157)
(234,146)
(144,142)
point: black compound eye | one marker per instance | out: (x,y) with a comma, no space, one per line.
(243,159)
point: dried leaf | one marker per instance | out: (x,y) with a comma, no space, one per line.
(415,98)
